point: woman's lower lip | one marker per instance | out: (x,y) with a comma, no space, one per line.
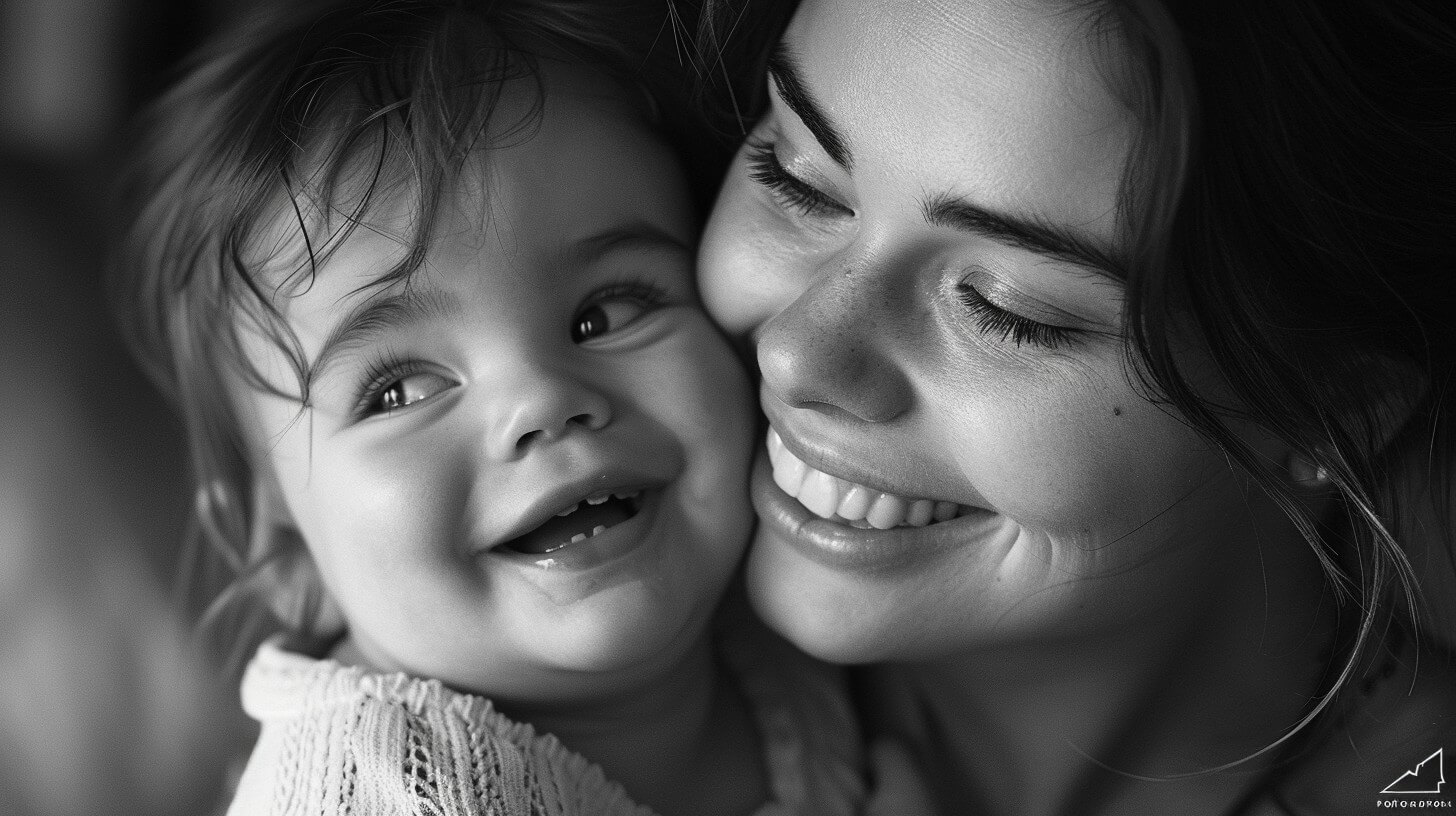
(852,549)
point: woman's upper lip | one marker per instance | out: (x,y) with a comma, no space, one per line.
(821,455)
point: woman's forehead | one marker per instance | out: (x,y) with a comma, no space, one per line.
(992,42)
(1003,101)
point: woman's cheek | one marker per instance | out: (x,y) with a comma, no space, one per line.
(750,265)
(1074,455)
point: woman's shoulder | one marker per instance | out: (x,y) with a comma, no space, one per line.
(1388,750)
(342,739)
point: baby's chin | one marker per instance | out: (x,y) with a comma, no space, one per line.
(627,639)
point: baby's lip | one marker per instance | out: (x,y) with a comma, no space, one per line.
(583,520)
(567,495)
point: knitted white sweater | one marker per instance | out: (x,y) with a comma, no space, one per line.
(341,740)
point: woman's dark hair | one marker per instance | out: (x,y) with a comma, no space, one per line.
(1290,206)
(304,118)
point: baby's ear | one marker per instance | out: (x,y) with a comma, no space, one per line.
(297,594)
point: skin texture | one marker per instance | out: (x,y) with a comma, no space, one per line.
(502,418)
(1117,590)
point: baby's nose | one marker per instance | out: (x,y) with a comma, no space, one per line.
(542,408)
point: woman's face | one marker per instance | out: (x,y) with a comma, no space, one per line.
(917,240)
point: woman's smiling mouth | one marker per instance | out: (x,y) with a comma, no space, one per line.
(830,497)
(811,519)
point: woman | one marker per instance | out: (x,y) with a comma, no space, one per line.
(1103,350)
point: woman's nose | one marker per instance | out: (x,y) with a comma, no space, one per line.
(539,407)
(830,350)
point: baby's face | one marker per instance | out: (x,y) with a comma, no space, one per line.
(525,473)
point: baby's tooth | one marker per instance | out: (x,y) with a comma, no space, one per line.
(578,537)
(856,503)
(820,493)
(887,511)
(594,500)
(568,511)
(600,528)
(920,512)
(789,474)
(945,511)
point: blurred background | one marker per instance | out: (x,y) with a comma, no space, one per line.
(107,705)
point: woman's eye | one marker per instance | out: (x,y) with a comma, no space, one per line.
(613,309)
(792,192)
(407,390)
(992,320)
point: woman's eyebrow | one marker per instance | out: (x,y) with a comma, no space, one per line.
(783,69)
(1022,232)
(380,314)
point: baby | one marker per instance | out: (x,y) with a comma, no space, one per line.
(418,276)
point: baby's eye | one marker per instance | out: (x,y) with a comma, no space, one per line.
(613,309)
(408,390)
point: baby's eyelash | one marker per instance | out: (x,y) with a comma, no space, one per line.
(764,168)
(993,320)
(380,371)
(649,293)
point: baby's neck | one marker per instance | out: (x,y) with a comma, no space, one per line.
(682,744)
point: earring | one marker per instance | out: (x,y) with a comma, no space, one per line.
(1305,473)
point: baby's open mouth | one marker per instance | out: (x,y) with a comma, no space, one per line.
(591,516)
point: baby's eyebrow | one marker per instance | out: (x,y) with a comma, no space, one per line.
(377,315)
(640,237)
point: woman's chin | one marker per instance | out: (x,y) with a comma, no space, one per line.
(824,612)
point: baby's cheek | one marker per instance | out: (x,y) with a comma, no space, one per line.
(393,491)
(701,392)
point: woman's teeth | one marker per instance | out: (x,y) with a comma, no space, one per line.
(833,498)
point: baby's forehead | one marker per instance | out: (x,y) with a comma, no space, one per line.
(346,186)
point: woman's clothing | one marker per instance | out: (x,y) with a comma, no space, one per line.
(1386,752)
(342,740)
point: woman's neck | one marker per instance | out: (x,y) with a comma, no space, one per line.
(1083,726)
(682,744)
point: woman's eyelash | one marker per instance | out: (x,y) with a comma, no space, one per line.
(995,321)
(764,168)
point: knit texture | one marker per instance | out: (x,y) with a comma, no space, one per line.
(341,740)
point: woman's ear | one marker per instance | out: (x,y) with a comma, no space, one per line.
(297,594)
(1379,418)
(1403,386)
